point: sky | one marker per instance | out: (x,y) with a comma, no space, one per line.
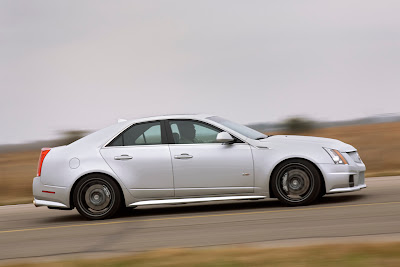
(67,65)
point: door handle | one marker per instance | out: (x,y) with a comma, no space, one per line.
(183,156)
(123,157)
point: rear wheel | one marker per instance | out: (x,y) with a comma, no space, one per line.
(97,197)
(296,182)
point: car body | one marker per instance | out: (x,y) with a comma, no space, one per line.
(191,158)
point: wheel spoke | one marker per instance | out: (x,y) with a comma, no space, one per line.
(284,182)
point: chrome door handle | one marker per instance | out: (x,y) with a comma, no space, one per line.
(183,156)
(123,157)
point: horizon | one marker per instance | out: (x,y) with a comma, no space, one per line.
(334,122)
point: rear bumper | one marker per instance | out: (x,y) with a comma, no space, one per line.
(40,203)
(343,178)
(50,196)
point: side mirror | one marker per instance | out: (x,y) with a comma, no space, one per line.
(224,137)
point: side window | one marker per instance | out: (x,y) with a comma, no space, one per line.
(140,134)
(192,132)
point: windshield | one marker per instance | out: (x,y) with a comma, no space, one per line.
(244,130)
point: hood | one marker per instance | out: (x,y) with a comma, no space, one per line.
(323,142)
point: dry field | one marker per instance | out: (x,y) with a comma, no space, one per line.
(365,255)
(17,170)
(378,145)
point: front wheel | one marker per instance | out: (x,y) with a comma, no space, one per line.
(97,197)
(296,182)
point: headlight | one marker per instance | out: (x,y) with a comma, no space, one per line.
(336,156)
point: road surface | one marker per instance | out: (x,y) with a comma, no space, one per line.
(373,214)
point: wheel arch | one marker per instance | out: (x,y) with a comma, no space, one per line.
(277,166)
(71,193)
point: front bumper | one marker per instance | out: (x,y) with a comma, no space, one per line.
(50,196)
(343,178)
(347,189)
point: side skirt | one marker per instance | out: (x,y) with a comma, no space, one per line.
(192,200)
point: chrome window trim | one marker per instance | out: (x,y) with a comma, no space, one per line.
(153,145)
(219,144)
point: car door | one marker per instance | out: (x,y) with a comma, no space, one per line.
(141,158)
(201,166)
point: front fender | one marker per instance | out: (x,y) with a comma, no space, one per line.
(266,159)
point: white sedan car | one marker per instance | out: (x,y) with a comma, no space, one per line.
(190,158)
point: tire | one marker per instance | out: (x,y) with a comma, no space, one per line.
(97,197)
(296,182)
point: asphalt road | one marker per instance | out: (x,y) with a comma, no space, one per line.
(372,214)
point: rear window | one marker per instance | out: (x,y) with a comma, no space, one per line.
(139,134)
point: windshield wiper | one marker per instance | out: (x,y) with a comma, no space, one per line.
(259,138)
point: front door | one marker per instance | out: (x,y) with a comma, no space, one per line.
(203,167)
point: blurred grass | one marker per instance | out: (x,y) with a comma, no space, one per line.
(378,145)
(366,255)
(17,170)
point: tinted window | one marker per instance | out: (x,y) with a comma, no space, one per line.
(140,134)
(117,141)
(192,132)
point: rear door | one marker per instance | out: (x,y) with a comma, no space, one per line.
(141,158)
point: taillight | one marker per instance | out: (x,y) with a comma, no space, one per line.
(42,156)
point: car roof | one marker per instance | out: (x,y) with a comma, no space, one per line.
(170,117)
